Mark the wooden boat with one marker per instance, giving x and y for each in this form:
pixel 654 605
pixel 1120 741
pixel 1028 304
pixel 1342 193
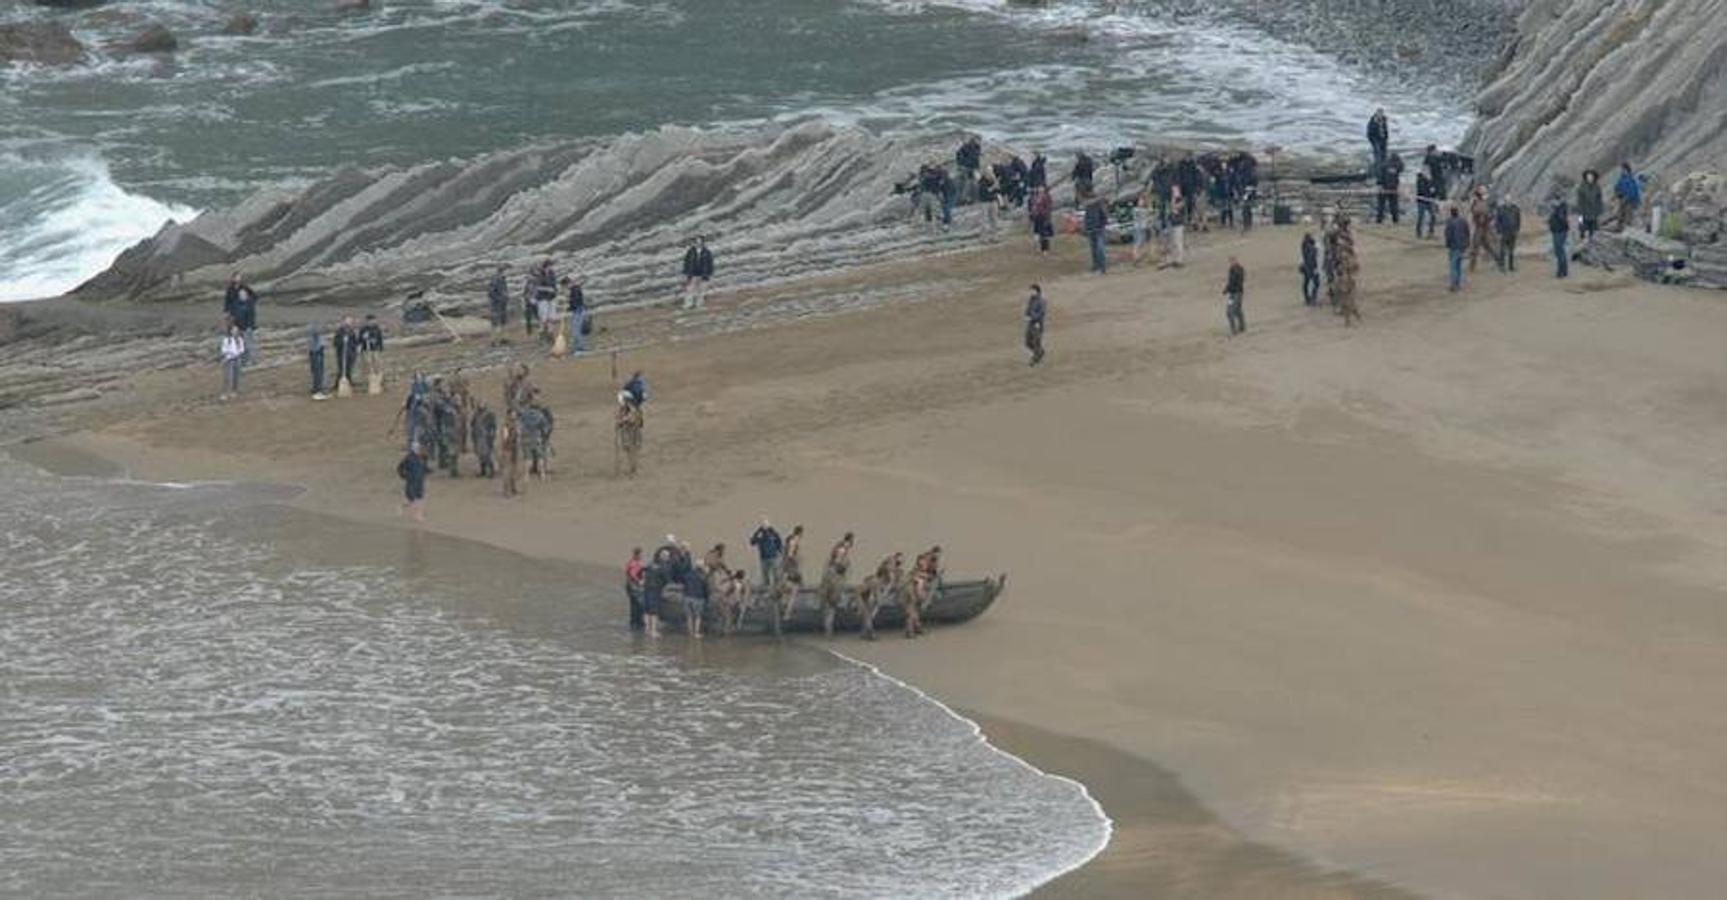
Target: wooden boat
pixel 954 602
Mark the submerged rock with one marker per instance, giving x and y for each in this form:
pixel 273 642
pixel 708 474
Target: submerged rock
pixel 240 25
pixel 154 39
pixel 1591 83
pixel 43 43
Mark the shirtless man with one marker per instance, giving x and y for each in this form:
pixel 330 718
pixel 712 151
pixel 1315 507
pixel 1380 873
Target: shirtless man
pixel 834 581
pixel 924 573
pixel 629 425
pixel 791 568
pixel 881 587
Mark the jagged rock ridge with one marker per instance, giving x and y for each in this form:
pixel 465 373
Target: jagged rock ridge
pixel 1590 83
pixel 778 202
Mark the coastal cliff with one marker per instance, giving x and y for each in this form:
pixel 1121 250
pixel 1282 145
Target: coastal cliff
pixel 1590 83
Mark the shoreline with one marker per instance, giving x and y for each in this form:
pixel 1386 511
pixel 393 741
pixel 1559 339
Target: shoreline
pixel 1335 677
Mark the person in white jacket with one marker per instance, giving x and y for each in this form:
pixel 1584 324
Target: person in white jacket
pixel 233 360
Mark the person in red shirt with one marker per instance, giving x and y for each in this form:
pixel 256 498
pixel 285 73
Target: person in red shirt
pixel 635 574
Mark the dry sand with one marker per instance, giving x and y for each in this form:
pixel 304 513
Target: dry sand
pixel 1435 602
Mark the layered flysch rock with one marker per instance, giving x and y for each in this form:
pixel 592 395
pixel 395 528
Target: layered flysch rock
pixel 777 202
pixel 1591 83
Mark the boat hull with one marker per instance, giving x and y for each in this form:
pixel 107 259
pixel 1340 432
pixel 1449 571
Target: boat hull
pixel 954 602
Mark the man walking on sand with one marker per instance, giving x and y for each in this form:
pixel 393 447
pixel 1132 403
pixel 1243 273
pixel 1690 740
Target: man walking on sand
pixel 1456 244
pixel 1233 288
pixel 498 298
pixel 1309 270
pixel 1035 312
pixel 412 471
pixel 698 271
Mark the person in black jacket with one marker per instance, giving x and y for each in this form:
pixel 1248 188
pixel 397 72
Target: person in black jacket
pixel 969 158
pixel 372 353
pixel 1507 221
pixel 1233 289
pixel 1038 174
pixel 347 344
pixel 1426 205
pixel 1096 232
pixel 412 471
pixel 1309 270
pixel 1457 241
pixel 1084 170
pixel 698 271
pixel 1559 225
pixel 1390 182
pixel 1379 137
pixel 240 303
pixel 498 299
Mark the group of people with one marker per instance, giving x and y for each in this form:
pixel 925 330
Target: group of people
pixel 564 328
pixel 445 421
pixel 714 596
pixel 359 348
pixel 239 333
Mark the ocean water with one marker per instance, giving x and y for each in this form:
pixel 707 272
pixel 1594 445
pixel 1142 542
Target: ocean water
pixel 99 156
pixel 205 694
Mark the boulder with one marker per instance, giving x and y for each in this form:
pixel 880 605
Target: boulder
pixel 154 39
pixel 42 43
pixel 240 25
pixel 1700 199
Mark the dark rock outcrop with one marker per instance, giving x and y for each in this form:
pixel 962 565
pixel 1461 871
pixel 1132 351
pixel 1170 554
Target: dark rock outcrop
pixel 1591 83
pixel 154 39
pixel 42 43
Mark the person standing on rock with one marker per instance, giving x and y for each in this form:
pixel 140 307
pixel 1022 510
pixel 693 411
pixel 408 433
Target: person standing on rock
pixel 1590 205
pixel 1379 138
pixel 1036 311
pixel 1457 243
pixel 1559 225
pixel 498 298
pixel 1508 222
pixel 698 271
pixel 1628 198
pixel 1309 270
pixel 233 360
pixel 1233 289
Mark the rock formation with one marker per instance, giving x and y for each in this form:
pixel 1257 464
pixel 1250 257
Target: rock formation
pixel 42 43
pixel 154 39
pixel 1591 83
pixel 777 202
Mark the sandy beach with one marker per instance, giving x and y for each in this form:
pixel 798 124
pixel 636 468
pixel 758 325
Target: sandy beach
pixel 1434 604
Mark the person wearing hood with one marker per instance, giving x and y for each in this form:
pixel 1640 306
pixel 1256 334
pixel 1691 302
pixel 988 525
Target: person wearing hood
pixel 1590 205
pixel 1084 171
pixel 1037 176
pixel 315 360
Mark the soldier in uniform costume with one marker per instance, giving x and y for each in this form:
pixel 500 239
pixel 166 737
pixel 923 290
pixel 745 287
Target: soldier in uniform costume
pixel 881 587
pixel 483 434
pixel 834 581
pixel 510 452
pixel 629 425
pixel 1347 268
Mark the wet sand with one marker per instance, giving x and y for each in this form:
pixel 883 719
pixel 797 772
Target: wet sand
pixel 1435 602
